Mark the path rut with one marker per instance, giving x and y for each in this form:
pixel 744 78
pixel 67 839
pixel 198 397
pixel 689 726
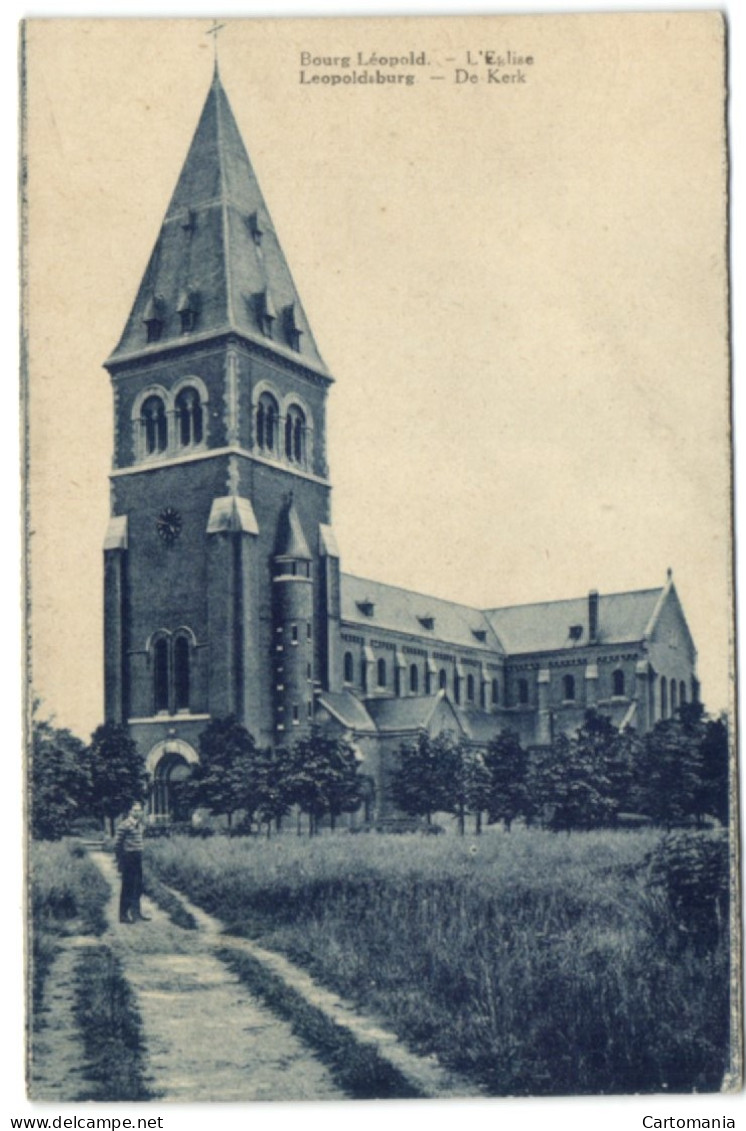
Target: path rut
pixel 207 1037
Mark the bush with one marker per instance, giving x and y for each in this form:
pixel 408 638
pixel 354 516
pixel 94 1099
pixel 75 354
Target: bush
pixel 690 871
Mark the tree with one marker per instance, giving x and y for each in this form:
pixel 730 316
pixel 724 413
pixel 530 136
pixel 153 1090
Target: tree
pixel 273 790
pixel 714 767
pixel 576 786
pixel 323 778
pixel 683 771
pixel 507 766
pixel 422 782
pixel 60 783
pixel 117 772
pixel 584 781
pixel 230 773
pixel 464 780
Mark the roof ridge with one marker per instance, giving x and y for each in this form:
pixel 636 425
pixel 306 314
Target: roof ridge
pixel 217 87
pixel 571 600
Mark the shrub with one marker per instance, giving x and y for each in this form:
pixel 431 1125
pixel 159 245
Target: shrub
pixel 690 870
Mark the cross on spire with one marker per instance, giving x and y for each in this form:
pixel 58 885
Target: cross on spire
pixel 214 31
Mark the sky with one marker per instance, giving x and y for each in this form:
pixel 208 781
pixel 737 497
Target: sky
pixel 520 291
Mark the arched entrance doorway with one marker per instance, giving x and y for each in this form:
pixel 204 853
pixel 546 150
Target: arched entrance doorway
pixel 170 765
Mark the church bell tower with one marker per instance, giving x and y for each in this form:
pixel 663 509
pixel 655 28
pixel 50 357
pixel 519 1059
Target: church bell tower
pixel 216 548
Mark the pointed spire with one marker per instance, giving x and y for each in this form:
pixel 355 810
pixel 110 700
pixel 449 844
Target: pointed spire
pixel 218 235
pixel 291 541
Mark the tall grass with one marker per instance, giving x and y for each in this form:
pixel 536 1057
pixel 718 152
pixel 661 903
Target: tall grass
pixel 531 961
pixel 111 1028
pixel 68 895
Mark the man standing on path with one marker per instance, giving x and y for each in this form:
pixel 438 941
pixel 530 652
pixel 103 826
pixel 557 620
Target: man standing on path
pixel 128 851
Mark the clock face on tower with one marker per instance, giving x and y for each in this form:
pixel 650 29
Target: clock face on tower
pixel 168 524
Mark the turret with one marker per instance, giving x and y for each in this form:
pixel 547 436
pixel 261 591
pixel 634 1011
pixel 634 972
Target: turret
pixel 292 603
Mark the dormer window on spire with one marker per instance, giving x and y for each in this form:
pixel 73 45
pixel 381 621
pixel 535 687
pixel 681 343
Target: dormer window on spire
pixel 265 312
pixel 256 229
pixel 292 329
pixel 188 309
pixel 154 317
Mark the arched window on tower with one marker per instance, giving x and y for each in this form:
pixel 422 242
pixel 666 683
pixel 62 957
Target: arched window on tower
pixel 181 673
pixel 664 697
pixel 682 693
pixel 568 687
pixel 295 435
pixel 617 682
pixel 189 417
pixel 160 675
pixel 414 679
pixel 154 425
pixel 267 418
pixel 673 696
pixel 349 667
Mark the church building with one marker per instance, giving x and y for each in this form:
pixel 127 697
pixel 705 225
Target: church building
pixel 223 587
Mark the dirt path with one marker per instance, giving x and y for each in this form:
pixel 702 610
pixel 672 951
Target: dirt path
pixel 207 1038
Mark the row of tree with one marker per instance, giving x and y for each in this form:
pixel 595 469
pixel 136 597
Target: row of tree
pixel 317 775
pixel 71 781
pixel 676 773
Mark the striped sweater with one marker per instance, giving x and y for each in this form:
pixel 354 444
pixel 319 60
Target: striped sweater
pixel 129 836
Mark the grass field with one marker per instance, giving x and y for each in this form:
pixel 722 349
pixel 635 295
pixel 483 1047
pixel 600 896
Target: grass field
pixel 535 963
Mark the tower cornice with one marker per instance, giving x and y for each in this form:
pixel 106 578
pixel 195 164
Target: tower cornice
pixel 218 453
pixel 282 359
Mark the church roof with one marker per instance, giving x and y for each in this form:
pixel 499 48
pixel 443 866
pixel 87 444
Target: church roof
pixel 543 627
pixel 348 709
pixel 376 605
pixel 410 713
pixel 217 258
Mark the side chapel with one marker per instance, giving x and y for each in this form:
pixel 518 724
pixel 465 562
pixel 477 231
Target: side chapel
pixel 223 587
